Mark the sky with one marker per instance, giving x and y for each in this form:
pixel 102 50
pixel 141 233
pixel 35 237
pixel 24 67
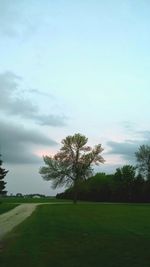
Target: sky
pixel 71 67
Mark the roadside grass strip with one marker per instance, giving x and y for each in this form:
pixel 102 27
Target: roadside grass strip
pixel 82 235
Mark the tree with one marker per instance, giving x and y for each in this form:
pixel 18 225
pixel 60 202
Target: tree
pixel 139 187
pixel 125 177
pixel 73 164
pixel 126 173
pixel 3 173
pixel 143 159
pixel 96 188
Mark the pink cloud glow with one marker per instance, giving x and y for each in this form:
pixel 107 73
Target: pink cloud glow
pixel 43 152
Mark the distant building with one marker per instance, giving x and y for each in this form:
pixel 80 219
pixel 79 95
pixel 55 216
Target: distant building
pixel 36 196
pixel 19 195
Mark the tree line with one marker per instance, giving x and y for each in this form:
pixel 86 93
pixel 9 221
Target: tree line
pixel 73 166
pixel 122 186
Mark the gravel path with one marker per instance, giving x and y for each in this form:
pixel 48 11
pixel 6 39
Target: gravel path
pixel 17 215
pixel 14 217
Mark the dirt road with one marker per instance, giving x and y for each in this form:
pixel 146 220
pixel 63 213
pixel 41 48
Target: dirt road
pixel 14 217
pixel 17 215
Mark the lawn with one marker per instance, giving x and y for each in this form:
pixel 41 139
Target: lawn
pixel 4 207
pixel 82 235
pixel 31 200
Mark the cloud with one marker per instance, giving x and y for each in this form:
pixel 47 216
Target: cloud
pixel 128 148
pixel 17 143
pixel 15 18
pixel 38 92
pixel 129 126
pixel 52 120
pixel 13 102
pixel 145 135
pixel 7 18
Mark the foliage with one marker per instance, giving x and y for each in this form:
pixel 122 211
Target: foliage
pixel 12 199
pixel 123 186
pixel 73 164
pixel 126 173
pixel 3 173
pixel 125 177
pixel 143 159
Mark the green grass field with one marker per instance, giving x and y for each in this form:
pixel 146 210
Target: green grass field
pixel 4 207
pixel 31 200
pixel 82 235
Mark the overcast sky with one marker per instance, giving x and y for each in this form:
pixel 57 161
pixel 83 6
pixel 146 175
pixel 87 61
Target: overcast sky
pixel 68 67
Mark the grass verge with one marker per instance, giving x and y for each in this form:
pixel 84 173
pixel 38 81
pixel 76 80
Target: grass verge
pixel 31 200
pixel 82 235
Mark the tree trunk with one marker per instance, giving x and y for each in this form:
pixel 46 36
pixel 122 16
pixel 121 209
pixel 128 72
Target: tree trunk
pixel 75 198
pixel 75 193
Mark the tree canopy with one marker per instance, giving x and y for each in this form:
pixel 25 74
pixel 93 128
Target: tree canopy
pixel 3 173
pixel 73 163
pixel 143 159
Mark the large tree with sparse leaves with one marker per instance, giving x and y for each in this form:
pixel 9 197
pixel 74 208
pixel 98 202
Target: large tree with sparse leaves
pixel 143 160
pixel 72 164
pixel 3 173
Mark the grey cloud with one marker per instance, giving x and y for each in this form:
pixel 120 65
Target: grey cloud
pixel 17 142
pixel 15 20
pixel 37 92
pixel 125 149
pixel 7 18
pixel 129 125
pixel 128 148
pixel 51 120
pixel 22 107
pixel 14 103
pixel 8 85
pixel 145 134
